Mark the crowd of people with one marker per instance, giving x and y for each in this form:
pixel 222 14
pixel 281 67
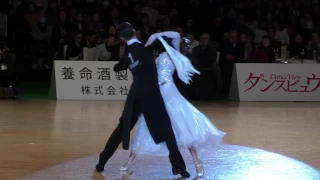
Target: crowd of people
pixel 221 32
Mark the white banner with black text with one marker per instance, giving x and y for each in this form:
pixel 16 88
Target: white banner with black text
pixel 90 80
pixel 275 82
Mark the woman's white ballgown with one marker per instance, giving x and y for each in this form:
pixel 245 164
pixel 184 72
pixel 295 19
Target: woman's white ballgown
pixel 190 126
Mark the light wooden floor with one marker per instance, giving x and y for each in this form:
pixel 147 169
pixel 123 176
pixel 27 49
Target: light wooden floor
pixel 35 135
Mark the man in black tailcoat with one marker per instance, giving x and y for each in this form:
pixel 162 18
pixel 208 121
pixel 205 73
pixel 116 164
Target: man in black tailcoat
pixel 144 98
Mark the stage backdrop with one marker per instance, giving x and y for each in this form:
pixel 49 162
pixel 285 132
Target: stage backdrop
pixel 276 82
pixel 89 80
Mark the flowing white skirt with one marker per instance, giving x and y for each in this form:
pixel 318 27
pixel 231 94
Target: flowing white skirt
pixel 190 126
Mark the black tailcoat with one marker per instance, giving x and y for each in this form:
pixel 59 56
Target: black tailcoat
pixel 145 93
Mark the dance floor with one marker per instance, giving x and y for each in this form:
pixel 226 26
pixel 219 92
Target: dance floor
pixel 60 140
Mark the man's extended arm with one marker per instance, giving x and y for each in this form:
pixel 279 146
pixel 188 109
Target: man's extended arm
pixel 121 65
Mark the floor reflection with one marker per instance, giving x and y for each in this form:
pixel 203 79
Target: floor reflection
pixel 227 162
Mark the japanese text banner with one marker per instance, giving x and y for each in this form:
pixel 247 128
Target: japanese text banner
pixel 278 82
pixel 91 80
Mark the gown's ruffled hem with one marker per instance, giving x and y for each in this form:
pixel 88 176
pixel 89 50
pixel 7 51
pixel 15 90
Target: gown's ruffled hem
pixel 190 126
pixel 200 147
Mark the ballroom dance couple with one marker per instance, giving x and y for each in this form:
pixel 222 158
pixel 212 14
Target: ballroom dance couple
pixel 168 123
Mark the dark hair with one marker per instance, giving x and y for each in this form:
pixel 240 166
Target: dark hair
pixel 280 25
pixel 91 33
pixel 159 28
pixel 52 1
pixel 241 14
pixel 114 8
pixel 76 33
pixel 144 15
pixel 316 32
pixel 233 31
pixel 3 47
pixel 109 36
pixel 250 34
pixel 206 33
pixel 190 32
pixel 166 17
pixel 266 37
pixel 62 10
pixel 271 28
pixel 33 4
pixel 110 25
pixel 126 30
pixel 136 4
pixel 185 46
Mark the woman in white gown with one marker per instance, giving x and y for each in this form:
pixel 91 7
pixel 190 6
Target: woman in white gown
pixel 193 130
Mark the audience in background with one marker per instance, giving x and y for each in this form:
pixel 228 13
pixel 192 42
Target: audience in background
pixel 119 50
pixel 275 43
pixel 77 25
pixel 297 46
pixel 194 42
pixel 75 49
pixel 259 32
pixel 250 31
pixel 281 33
pixel 280 20
pixel 313 46
pixel 146 29
pixel 41 50
pixel 106 50
pixel 53 12
pixel 97 25
pixel 205 54
pixel 60 34
pixel 153 15
pixel 267 49
pixel 90 40
pixel 31 16
pixel 205 60
pixel 232 51
pixel 8 76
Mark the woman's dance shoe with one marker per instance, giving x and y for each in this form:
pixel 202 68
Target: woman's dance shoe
pixel 128 165
pixel 200 173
